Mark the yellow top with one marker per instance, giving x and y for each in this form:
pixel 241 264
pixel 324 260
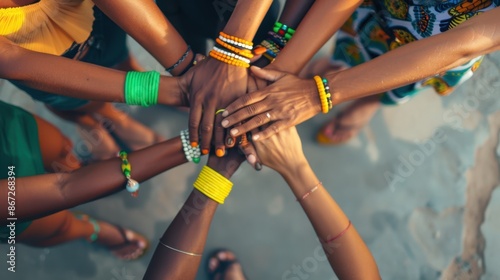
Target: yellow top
pixel 48 26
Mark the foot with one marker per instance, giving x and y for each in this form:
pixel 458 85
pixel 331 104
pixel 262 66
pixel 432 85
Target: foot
pixel 349 122
pixel 123 243
pixel 99 145
pixel 133 134
pixel 223 265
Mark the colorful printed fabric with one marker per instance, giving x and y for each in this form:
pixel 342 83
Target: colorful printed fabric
pixel 379 26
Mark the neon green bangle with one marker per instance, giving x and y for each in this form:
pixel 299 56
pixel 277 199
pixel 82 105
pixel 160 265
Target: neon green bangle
pixel 141 88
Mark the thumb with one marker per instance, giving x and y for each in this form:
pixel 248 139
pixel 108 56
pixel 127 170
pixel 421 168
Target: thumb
pixel 268 75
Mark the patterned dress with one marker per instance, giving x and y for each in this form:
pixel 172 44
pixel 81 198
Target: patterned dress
pixel 379 26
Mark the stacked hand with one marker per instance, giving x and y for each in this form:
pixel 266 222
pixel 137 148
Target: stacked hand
pixel 263 111
pixel 287 102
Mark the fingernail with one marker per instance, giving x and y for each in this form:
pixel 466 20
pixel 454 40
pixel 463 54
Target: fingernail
pixel 234 131
pixel 204 151
pixel 194 144
pixel 252 159
pixel 230 141
pixel 256 137
pixel 258 166
pixel 219 152
pixel 225 113
pixel 224 123
pixel 259 50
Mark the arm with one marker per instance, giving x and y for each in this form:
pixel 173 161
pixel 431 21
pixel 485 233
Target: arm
pixel 216 84
pixel 293 12
pixel 298 98
pixel 347 254
pixel 323 19
pixel 144 21
pixel 424 58
pixel 189 229
pixel 77 79
pixel 42 195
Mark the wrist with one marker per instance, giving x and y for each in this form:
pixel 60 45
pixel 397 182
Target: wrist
pixel 213 185
pixel 184 65
pixel 171 92
pixel 289 172
pixel 222 166
pixel 335 93
pixel 300 179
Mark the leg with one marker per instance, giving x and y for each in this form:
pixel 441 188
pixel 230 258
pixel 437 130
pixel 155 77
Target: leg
pixel 99 118
pixel 350 121
pixel 64 226
pixel 98 142
pixel 56 148
pixel 135 135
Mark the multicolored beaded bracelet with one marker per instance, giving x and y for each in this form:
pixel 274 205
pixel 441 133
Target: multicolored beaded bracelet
pixel 132 185
pixel 283 30
pixel 322 94
pixel 328 94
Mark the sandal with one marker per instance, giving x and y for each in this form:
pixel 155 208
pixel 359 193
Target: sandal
pixel 352 130
pixel 130 238
pixel 222 265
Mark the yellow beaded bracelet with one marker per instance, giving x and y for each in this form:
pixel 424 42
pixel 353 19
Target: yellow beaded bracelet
pixel 322 94
pixel 213 185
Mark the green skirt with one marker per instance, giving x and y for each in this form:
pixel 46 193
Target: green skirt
pixel 20 148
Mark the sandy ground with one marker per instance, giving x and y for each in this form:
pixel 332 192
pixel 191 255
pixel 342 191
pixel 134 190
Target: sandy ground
pixel 420 185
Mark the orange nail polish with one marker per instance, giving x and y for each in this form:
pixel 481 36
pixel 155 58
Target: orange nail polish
pixel 259 50
pixel 219 153
pixel 204 151
pixel 194 144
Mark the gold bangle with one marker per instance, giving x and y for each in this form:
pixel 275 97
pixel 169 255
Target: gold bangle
pixel 180 251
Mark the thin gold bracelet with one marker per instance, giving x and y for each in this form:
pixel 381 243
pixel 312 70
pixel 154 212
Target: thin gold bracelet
pixel 180 251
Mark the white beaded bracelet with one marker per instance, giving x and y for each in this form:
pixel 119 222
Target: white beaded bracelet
pixel 239 57
pixel 192 154
pixel 234 43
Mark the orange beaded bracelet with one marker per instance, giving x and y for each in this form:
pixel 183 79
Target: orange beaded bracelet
pixel 228 59
pixel 237 41
pixel 242 52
